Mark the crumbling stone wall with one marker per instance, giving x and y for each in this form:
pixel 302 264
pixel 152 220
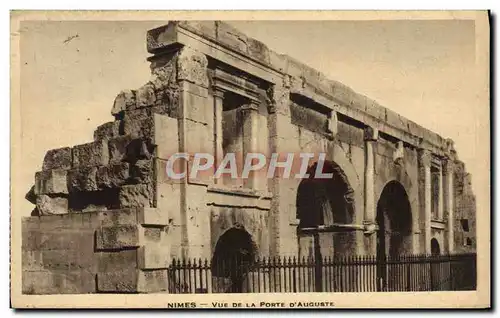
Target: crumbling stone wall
pixel 465 210
pixel 95 227
pixel 95 251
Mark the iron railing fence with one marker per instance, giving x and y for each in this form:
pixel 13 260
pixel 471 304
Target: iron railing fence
pixel 330 274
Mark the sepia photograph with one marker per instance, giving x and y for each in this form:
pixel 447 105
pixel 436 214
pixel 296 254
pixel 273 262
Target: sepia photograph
pixel 193 160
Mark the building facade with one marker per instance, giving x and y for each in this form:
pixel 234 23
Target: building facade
pixel 109 219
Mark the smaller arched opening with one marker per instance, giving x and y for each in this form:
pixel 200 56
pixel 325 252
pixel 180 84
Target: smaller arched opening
pixel 435 249
pixel 233 257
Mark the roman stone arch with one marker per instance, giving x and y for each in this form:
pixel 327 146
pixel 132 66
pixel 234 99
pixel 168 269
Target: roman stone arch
pixel 340 158
pixel 325 202
pixel 394 218
pixel 435 247
pixel 232 259
pixel 397 173
pixel 394 235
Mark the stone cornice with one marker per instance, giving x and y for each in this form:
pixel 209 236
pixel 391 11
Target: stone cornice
pixel 224 81
pixel 226 44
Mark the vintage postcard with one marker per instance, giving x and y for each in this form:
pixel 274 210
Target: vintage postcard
pixel 250 159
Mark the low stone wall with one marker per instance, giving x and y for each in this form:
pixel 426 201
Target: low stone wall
pixel 116 251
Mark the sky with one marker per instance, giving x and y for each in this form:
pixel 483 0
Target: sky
pixel 425 70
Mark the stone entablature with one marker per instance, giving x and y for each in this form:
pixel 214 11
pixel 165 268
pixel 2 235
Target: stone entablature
pixel 256 59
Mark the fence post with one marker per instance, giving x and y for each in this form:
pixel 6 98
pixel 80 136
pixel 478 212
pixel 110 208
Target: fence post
pixel 317 275
pixel 431 263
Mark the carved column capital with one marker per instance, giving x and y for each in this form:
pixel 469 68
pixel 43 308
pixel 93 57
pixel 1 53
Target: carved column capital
pixel 192 67
pixel 424 157
pixel 218 92
pixel 251 105
pixel 448 166
pixel 371 134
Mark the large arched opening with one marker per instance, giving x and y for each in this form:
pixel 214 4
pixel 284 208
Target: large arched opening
pixel 394 220
pixel 233 257
pixel 325 209
pixel 322 204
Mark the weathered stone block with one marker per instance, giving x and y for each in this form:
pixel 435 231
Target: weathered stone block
pixel 30 195
pixel 152 216
pixel 79 282
pixel 31 260
pixel 123 101
pixel 139 149
pixel 139 123
pixel 118 217
pixel 232 37
pixel 374 109
pixel 192 67
pixel 166 136
pixel 394 119
pixel 75 259
pixel 145 96
pixel 118 148
pixel 351 135
pixel 199 138
pixel 123 281
pixel 160 37
pixel 142 171
pixel 179 166
pixel 116 237
pixel 117 261
pixel 47 205
pixel 153 256
pixel 205 28
pixel 91 154
pixel 38 282
pixel 57 159
pixel 113 175
pixel 53 223
pixel 126 148
pixel 51 182
pixel 139 195
pixel 152 281
pixel 108 130
pixel 64 239
pixel 258 50
pixel 151 234
pixel 196 107
pixel 83 179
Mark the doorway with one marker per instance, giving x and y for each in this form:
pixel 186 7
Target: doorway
pixel 233 257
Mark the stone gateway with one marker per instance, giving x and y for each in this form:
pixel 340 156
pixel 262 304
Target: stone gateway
pixel 108 218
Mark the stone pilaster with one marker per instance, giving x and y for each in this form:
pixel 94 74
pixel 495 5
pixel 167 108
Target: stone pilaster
pixel 371 137
pixel 282 223
pixel 250 141
pixel 424 162
pixel 218 132
pixel 193 131
pixel 440 194
pixel 449 203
